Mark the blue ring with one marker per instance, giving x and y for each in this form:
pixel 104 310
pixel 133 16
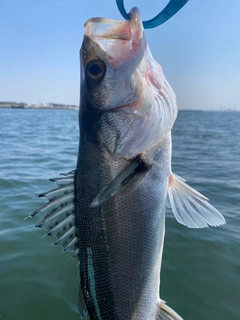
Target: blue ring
pixel 171 8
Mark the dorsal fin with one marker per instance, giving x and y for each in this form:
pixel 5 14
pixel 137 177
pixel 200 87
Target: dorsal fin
pixel 59 221
pixel 59 217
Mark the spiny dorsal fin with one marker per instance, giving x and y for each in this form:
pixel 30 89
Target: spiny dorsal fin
pixel 59 217
pixel 59 221
pixel 137 166
pixel 70 173
pixel 63 181
pixel 58 192
pixel 190 207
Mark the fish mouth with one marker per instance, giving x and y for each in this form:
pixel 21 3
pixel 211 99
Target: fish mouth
pixel 116 29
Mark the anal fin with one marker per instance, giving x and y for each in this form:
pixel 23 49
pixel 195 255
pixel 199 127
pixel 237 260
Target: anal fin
pixel 166 313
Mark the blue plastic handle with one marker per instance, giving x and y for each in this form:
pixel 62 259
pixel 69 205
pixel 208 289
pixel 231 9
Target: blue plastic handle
pixel 171 8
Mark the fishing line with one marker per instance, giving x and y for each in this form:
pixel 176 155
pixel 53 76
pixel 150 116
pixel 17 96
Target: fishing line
pixel 171 8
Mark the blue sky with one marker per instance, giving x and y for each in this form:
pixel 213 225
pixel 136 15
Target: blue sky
pixel 198 48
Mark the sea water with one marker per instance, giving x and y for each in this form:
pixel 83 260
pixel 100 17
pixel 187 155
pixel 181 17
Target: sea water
pixel 200 276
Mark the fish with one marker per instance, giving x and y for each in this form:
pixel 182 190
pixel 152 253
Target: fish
pixel 110 210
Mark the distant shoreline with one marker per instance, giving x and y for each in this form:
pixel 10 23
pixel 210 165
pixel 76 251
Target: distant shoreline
pixel 15 105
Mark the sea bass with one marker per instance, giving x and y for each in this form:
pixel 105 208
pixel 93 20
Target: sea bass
pixel 111 209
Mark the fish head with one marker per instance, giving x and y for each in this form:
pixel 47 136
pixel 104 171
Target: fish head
pixel 110 54
pixel 121 81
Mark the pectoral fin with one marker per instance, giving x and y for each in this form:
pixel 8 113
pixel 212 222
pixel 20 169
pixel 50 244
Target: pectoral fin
pixel 166 313
pixel 116 185
pixel 190 207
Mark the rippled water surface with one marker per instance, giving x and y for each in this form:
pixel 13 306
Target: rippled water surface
pixel 200 276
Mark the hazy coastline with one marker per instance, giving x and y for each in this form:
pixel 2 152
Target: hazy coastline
pixel 35 105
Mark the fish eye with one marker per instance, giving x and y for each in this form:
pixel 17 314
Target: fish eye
pixel 95 70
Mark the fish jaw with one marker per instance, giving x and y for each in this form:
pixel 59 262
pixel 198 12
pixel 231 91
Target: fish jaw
pixel 122 41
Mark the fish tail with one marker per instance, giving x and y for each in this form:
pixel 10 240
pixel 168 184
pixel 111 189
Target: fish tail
pixel 166 313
